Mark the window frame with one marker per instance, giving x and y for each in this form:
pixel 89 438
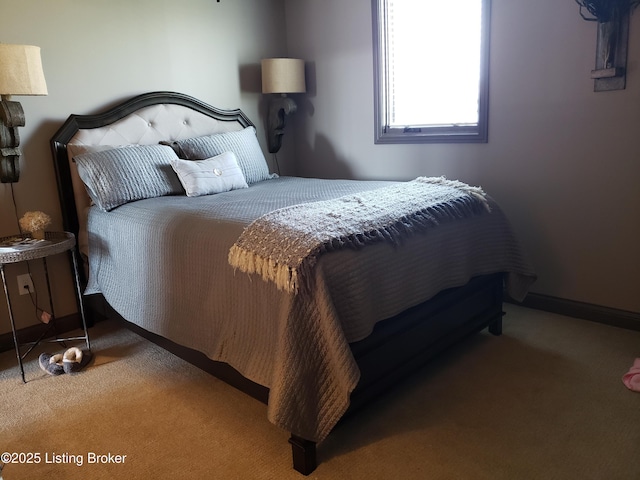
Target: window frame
pixel 427 133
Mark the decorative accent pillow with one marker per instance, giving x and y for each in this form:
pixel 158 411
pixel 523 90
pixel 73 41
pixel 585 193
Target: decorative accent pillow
pixel 122 175
pixel 243 143
pixel 213 175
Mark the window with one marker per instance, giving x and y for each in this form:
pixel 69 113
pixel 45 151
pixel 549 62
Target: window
pixel 431 70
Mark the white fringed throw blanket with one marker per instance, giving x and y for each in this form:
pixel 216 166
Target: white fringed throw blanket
pixel 283 246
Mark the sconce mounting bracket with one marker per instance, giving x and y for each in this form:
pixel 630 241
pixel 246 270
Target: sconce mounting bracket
pixel 279 108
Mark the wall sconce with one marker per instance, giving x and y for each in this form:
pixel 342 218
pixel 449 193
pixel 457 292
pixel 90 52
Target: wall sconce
pixel 281 76
pixel 20 74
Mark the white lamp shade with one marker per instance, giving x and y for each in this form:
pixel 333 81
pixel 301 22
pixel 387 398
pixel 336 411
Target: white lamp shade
pixel 21 70
pixel 283 75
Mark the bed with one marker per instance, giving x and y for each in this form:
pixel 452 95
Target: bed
pixel 198 272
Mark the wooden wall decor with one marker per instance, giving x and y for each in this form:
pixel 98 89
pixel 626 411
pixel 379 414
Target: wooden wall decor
pixel 11 117
pixel 612 17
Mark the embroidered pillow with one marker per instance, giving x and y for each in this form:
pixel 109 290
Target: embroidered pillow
pixel 213 175
pixel 121 175
pixel 243 143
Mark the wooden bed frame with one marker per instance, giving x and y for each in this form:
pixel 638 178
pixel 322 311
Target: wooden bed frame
pixel 397 347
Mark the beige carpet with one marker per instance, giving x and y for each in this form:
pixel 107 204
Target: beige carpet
pixel 544 401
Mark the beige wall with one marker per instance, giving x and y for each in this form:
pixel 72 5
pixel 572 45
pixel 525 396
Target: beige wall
pixel 96 53
pixel 564 162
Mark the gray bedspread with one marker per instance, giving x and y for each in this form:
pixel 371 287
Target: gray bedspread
pixel 162 264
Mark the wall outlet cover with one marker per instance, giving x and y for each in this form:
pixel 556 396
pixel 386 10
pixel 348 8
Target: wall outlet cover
pixel 25 284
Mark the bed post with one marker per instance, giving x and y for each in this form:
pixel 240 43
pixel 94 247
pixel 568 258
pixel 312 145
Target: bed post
pixel 495 327
pixel 304 454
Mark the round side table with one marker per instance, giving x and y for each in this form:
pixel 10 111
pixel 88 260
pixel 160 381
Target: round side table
pixel 17 249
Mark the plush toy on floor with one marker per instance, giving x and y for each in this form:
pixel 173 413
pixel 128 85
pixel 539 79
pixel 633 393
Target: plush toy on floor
pixel 71 361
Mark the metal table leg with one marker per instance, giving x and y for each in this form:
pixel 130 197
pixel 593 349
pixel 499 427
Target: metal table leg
pixel 13 325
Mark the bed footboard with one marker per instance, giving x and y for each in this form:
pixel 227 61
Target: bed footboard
pixel 404 343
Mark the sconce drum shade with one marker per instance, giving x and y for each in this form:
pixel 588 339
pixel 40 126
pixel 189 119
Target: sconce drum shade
pixel 283 75
pixel 21 70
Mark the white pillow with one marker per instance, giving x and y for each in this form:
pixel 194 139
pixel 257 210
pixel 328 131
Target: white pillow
pixel 213 175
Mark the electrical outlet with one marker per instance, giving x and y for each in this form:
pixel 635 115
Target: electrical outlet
pixel 25 284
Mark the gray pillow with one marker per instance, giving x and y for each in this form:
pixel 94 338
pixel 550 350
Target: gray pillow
pixel 213 175
pixel 243 143
pixel 121 175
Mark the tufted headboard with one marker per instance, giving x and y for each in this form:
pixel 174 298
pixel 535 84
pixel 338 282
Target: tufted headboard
pixel 147 119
